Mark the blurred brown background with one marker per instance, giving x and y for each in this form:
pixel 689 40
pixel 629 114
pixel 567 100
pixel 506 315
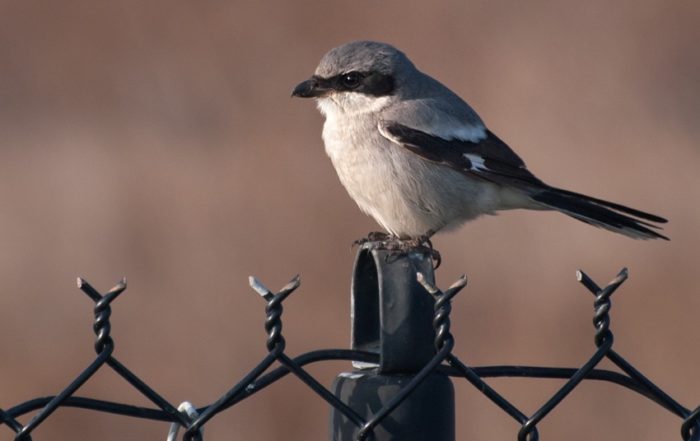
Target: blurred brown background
pixel 157 140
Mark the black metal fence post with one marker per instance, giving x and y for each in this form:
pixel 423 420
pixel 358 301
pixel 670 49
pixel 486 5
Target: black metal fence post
pixel 392 315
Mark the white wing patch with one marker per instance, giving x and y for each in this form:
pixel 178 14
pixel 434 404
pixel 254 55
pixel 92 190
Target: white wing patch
pixel 474 133
pixel 476 161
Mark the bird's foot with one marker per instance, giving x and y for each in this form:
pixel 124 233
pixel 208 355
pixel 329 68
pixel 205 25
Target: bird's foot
pixel 374 236
pixel 401 247
pixel 425 245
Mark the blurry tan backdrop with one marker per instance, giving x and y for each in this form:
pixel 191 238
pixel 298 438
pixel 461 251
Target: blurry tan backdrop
pixel 157 140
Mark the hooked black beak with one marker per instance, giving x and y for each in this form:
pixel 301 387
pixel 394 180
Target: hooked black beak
pixel 311 88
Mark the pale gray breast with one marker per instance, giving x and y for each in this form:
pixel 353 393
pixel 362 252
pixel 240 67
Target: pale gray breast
pixel 361 156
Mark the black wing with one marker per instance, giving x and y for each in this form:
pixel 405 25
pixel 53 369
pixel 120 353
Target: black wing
pixel 491 159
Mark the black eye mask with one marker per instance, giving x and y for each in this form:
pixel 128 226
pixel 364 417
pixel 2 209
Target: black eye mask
pixel 368 83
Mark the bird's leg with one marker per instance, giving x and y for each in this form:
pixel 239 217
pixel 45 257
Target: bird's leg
pixel 379 236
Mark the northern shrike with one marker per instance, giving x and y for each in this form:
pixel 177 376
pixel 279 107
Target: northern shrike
pixel 418 159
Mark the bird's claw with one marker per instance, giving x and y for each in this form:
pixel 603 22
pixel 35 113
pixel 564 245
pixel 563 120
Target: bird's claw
pixel 374 236
pixel 400 247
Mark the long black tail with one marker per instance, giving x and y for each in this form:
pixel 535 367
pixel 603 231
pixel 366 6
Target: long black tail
pixel 609 215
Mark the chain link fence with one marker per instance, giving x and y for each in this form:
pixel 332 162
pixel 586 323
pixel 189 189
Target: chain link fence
pixel 402 354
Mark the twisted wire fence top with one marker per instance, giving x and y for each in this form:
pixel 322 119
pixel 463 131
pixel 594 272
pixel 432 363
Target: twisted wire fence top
pixel 264 374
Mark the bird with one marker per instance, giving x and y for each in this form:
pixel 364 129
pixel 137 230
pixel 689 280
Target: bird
pixel 418 159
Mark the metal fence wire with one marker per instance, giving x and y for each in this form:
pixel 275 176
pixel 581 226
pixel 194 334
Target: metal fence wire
pixel 403 360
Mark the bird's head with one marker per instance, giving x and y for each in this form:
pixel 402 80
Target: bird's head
pixel 357 77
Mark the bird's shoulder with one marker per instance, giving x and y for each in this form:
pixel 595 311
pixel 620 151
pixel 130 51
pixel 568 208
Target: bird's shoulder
pixel 444 117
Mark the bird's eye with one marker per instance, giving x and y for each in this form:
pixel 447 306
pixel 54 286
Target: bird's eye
pixel 351 80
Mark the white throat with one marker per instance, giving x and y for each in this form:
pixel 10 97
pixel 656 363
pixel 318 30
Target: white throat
pixel 349 103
